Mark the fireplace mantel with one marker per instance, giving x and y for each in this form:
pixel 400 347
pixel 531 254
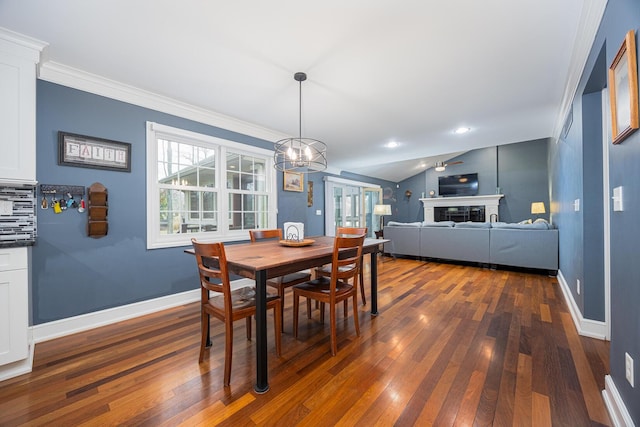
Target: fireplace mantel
pixel 489 201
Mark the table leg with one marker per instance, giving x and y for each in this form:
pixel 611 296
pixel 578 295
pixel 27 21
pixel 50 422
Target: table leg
pixel 374 283
pixel 209 344
pixel 262 382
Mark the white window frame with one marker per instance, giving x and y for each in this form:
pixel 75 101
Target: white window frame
pixel 155 240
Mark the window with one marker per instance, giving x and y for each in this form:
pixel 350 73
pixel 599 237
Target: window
pixel 205 187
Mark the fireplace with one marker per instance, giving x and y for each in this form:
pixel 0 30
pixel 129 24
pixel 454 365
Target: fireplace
pixel 464 208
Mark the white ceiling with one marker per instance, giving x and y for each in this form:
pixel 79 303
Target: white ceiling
pixel 378 71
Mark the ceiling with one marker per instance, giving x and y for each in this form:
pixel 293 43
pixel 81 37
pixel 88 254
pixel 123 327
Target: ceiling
pixel 378 71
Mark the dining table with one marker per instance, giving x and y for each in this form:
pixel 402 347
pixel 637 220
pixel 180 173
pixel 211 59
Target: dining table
pixel 268 259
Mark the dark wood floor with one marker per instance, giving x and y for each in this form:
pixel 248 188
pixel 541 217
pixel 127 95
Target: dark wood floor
pixel 453 345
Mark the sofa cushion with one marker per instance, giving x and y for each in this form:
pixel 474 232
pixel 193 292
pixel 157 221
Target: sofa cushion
pixel 403 224
pixel 472 224
pixel 532 226
pixel 438 224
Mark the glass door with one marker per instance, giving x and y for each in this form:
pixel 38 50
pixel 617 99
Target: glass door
pixel 338 208
pixel 343 209
pixel 372 197
pixel 351 206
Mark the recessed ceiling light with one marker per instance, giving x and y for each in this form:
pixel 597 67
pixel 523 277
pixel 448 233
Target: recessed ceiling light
pixel 461 130
pixel 391 144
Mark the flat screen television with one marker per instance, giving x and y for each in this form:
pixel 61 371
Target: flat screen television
pixel 458 185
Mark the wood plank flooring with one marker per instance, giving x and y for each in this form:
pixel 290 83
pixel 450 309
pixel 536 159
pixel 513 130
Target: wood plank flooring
pixel 453 346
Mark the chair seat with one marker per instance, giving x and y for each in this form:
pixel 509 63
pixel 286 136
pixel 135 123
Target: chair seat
pixel 325 270
pixel 289 279
pixel 240 298
pixel 321 285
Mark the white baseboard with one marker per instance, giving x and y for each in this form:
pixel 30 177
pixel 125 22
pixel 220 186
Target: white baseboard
pixel 585 327
pixel 615 405
pixel 72 325
pixel 84 322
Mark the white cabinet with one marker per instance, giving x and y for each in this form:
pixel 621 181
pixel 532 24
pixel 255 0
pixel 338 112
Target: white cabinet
pixel 18 58
pixel 14 305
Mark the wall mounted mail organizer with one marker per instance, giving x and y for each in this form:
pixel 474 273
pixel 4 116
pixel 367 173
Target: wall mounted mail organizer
pixel 98 196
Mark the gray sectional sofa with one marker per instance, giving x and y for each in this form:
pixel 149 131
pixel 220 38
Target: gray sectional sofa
pixel 520 245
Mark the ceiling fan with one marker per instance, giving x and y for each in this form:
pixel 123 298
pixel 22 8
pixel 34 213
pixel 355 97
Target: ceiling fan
pixel 441 165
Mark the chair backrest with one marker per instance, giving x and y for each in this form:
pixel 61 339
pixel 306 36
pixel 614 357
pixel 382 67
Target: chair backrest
pixel 346 262
pixel 351 231
pixel 275 233
pixel 212 268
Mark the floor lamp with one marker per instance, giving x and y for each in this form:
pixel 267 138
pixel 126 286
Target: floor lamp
pixel 381 211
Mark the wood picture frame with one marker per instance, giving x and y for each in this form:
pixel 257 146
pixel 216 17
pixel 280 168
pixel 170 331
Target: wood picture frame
pixel 623 90
pixel 309 194
pixel 293 181
pixel 91 152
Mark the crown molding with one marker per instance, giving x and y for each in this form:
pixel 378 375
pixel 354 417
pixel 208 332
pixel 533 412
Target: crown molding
pixel 78 79
pixel 20 45
pixel 592 12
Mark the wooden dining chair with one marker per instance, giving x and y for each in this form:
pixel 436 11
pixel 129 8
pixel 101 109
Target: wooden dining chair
pixel 326 269
pixel 346 263
pixel 231 305
pixel 282 282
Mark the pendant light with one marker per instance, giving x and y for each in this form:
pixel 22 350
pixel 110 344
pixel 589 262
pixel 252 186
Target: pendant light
pixel 300 154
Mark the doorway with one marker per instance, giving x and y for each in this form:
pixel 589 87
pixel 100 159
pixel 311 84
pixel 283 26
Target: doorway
pixel 350 204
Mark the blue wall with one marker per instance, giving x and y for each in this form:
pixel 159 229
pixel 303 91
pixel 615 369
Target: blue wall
pixel 74 274
pixel 520 170
pixel 571 163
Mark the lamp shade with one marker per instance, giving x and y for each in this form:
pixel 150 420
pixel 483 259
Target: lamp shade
pixel 382 210
pixel 537 208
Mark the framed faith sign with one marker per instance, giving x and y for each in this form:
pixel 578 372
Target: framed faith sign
pixel 90 152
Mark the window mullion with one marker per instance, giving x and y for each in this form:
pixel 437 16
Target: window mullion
pixel 223 216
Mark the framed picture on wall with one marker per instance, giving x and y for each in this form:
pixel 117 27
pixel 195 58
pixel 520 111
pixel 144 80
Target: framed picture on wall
pixel 91 152
pixel 293 181
pixel 309 193
pixel 623 90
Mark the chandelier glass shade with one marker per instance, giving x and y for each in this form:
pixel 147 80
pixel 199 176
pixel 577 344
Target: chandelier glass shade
pixel 300 154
